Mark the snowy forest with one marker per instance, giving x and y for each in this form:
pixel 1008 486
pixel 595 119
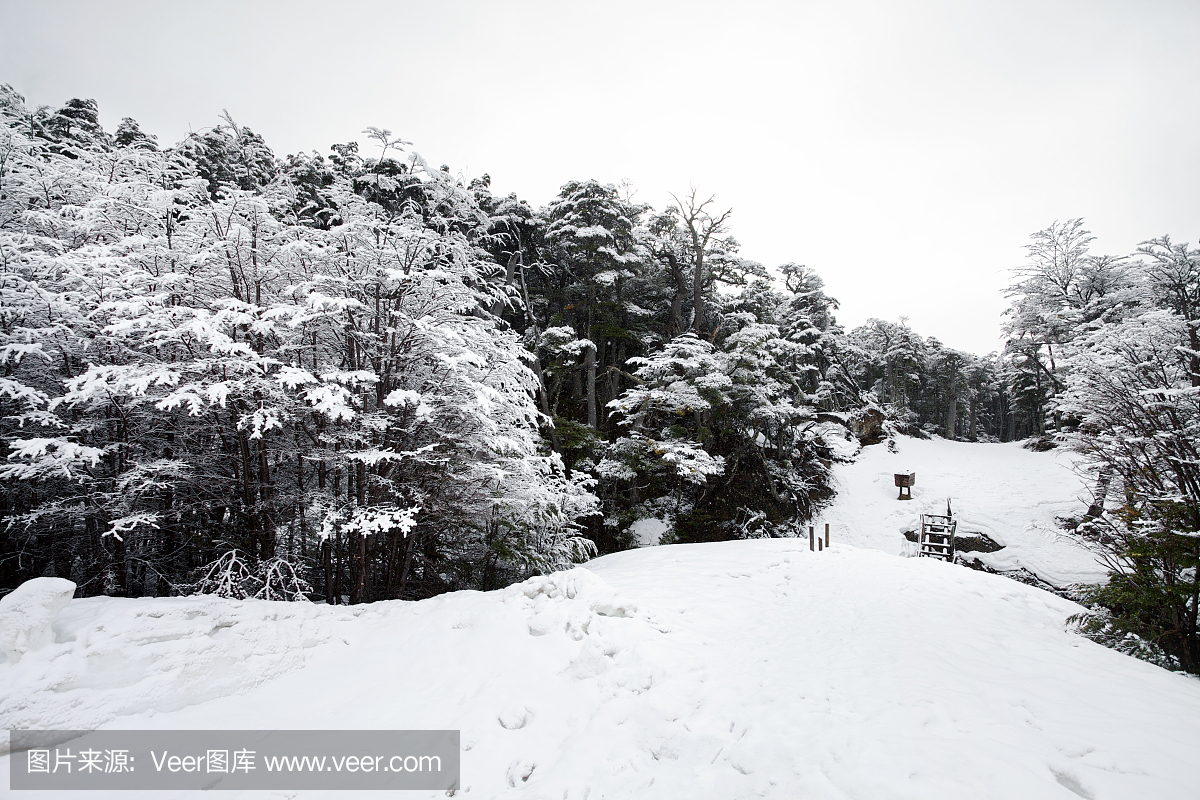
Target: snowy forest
pixel 351 376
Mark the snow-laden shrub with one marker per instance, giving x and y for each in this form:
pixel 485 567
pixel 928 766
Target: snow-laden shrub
pixel 235 576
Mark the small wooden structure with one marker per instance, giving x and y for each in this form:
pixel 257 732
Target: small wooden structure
pixel 905 480
pixel 814 541
pixel 937 536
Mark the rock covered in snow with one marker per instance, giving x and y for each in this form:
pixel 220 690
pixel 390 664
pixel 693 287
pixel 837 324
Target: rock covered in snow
pixel 27 615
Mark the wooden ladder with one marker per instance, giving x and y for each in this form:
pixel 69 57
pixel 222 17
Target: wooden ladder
pixel 937 536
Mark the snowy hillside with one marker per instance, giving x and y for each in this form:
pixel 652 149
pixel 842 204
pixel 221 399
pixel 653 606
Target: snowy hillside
pixel 1003 491
pixel 740 669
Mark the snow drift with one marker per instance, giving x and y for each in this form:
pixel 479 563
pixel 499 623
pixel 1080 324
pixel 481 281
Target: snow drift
pixel 27 615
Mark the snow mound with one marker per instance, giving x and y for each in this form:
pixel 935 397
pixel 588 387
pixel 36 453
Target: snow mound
pixel 116 656
pixel 27 615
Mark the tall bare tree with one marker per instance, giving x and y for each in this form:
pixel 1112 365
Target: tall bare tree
pixel 705 230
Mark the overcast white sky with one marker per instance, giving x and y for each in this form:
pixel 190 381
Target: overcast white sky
pixel 905 150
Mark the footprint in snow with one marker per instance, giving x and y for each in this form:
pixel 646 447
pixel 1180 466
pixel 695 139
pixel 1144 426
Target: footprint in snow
pixel 519 772
pixel 514 718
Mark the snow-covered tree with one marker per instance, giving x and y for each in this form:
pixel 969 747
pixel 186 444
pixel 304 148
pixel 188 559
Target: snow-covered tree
pixel 590 233
pixel 1137 398
pixel 197 365
pixel 1060 289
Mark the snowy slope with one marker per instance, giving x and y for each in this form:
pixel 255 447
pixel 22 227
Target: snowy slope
pixel 1002 490
pixel 741 669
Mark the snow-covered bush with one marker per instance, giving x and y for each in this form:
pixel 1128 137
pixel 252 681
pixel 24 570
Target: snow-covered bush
pixel 234 575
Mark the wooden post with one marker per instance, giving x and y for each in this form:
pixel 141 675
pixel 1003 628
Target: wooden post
pixel 811 544
pixel 820 546
pixel 827 534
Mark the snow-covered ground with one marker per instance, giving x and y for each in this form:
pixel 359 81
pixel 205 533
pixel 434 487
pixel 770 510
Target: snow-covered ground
pixel 731 670
pixel 1004 491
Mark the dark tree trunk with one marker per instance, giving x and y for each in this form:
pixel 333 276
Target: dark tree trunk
pixel 327 563
pixel 589 363
pixel 266 532
pixel 589 359
pixel 1103 481
pixel 337 567
pixel 409 544
pixel 678 297
pixel 513 260
pixel 358 569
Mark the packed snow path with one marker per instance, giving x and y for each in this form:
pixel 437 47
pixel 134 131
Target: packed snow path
pixel 1008 493
pixel 732 670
